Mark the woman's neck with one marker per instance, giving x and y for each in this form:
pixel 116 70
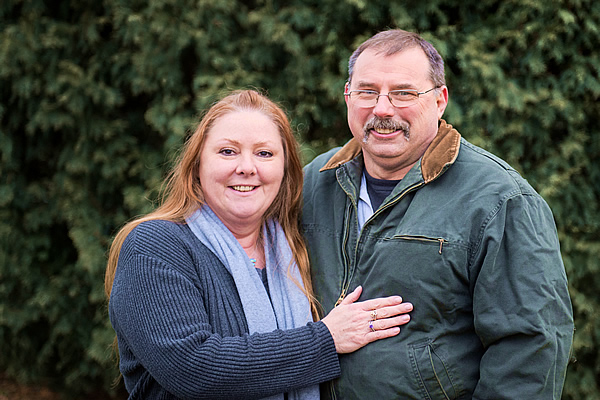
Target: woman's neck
pixel 252 244
pixel 249 242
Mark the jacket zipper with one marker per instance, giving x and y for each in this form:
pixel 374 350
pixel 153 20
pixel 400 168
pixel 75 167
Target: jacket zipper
pixel 347 279
pixel 441 241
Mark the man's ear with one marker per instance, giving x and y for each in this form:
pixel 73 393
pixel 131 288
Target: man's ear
pixel 442 100
pixel 346 89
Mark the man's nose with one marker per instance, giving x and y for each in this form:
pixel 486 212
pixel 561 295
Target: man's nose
pixel 383 108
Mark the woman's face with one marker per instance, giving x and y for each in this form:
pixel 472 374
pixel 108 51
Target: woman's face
pixel 241 168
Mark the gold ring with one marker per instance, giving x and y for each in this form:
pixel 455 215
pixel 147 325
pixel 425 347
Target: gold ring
pixel 371 326
pixel 373 315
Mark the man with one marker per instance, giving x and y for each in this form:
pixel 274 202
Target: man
pixel 409 207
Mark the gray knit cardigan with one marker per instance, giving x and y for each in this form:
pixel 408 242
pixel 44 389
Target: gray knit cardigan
pixel 182 331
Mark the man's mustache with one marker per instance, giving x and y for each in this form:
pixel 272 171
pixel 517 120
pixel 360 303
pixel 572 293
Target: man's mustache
pixel 378 123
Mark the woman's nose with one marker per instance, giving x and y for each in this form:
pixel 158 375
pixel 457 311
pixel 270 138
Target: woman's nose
pixel 246 165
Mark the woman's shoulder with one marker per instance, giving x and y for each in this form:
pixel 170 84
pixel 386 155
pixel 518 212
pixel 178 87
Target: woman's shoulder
pixel 162 239
pixel 161 226
pixel 157 231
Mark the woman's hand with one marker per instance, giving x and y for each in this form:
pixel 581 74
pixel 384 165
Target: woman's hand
pixel 354 325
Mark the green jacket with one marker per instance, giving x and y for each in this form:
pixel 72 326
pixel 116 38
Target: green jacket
pixel 471 244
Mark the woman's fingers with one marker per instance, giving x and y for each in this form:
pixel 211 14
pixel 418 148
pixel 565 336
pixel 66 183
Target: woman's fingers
pixel 375 304
pixel 382 334
pixel 383 324
pixel 354 324
pixel 352 297
pixel 385 328
pixel 390 311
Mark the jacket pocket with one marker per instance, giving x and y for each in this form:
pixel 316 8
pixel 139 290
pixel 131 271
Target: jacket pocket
pixel 423 239
pixel 431 371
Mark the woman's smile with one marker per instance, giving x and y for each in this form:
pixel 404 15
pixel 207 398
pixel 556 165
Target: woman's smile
pixel 242 167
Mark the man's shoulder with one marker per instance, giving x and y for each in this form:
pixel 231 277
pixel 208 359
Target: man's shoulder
pixel 482 155
pixel 490 167
pixel 321 160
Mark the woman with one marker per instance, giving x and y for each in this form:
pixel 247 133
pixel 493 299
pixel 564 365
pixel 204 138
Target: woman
pixel 210 294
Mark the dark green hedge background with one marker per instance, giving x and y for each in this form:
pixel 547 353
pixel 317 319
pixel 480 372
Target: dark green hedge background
pixel 96 96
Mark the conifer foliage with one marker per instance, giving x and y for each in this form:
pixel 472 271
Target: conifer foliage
pixel 96 97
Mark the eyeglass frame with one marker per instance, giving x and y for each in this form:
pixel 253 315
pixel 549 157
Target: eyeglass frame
pixel 411 102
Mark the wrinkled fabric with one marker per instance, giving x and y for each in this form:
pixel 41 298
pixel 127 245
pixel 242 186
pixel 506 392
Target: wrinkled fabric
pixel 183 333
pixel 473 247
pixel 287 306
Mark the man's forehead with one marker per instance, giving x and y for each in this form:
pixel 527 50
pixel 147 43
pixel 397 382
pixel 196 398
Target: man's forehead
pixel 405 66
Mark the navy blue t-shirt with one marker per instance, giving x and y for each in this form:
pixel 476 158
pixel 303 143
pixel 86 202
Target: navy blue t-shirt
pixel 379 189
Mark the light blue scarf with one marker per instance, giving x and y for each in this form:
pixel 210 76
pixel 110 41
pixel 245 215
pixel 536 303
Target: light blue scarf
pixel 288 306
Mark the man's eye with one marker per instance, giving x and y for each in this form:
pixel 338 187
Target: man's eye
pixel 365 94
pixel 403 93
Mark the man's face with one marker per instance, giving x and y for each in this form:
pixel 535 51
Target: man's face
pixel 390 153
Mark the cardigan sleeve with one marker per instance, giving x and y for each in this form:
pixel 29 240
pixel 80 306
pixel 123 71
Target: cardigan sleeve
pixel 160 313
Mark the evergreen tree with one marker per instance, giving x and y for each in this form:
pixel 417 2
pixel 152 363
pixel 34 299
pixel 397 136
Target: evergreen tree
pixel 96 97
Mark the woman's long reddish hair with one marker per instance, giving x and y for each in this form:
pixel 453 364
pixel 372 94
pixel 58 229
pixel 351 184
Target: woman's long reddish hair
pixel 182 193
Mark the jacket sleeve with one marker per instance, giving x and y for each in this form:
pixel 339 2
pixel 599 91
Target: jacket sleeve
pixel 521 305
pixel 161 315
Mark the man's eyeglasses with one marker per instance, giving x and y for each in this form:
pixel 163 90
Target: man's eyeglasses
pixel 398 98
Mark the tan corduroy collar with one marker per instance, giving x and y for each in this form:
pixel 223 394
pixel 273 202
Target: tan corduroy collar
pixel 442 152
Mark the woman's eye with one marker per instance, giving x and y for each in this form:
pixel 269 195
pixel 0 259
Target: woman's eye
pixel 226 152
pixel 265 153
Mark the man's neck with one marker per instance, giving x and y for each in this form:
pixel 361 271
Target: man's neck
pixel 390 173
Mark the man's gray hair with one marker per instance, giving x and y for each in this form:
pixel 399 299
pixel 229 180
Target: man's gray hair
pixel 396 40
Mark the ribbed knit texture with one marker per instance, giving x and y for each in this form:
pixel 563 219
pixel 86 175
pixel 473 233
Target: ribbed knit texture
pixel 182 331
